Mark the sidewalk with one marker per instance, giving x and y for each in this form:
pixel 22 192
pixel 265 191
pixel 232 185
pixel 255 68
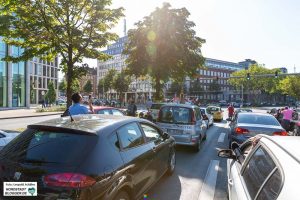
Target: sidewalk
pixel 21 113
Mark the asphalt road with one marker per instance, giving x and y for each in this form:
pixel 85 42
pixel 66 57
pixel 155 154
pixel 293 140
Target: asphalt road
pixel 199 175
pixel 18 123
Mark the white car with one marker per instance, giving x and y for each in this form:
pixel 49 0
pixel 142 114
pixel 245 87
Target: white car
pixel 6 136
pixel 208 118
pixel 264 168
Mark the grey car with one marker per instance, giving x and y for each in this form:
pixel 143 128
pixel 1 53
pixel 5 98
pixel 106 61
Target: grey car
pixel 266 168
pixel 247 124
pixel 6 136
pixel 183 122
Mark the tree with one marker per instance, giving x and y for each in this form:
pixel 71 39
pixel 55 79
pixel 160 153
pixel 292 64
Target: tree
pixel 268 85
pixel 108 79
pixel 75 86
pixel 164 46
pixel 62 86
pixel 291 86
pixel 196 88
pixel 72 29
pixel 32 92
pixel 101 87
pixel 121 83
pixel 88 87
pixel 175 88
pixel 51 94
pixel 214 86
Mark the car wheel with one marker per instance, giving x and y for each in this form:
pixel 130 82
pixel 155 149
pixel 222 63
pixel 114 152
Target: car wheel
pixel 122 195
pixel 198 145
pixel 172 162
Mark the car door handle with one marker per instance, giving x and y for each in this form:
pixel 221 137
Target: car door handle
pixel 230 182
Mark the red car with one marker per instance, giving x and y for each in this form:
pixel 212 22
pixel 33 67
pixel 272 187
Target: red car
pixel 108 110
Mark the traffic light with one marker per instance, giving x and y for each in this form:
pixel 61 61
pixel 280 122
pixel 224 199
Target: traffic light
pixel 276 74
pixel 248 76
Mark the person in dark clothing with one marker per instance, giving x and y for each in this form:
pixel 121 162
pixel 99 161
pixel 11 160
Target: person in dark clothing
pixel 131 110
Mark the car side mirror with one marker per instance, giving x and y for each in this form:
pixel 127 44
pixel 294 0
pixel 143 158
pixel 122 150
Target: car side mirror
pixel 165 136
pixel 229 120
pixel 226 153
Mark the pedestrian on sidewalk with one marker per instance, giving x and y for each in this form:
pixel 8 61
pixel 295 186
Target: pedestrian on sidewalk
pixel 43 103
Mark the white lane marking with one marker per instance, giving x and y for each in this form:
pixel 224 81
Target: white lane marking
pixel 208 188
pixel 221 137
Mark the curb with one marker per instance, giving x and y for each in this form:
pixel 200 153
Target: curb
pixel 31 116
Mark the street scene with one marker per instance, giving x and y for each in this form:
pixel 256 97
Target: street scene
pixel 167 100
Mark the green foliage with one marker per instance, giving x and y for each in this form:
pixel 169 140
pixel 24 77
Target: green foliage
pixel 164 46
pixel 176 87
pixel 101 87
pixel 214 86
pixel 108 79
pixel 291 86
pixel 31 92
pixel 51 94
pixel 63 86
pixel 71 29
pixel 51 109
pixel 196 88
pixel 121 82
pixel 88 87
pixel 75 86
pixel 265 84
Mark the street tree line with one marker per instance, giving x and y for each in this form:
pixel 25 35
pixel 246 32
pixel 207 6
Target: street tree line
pixel 281 85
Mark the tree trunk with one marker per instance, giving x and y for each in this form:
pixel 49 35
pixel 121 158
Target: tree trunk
pixel 157 95
pixel 69 84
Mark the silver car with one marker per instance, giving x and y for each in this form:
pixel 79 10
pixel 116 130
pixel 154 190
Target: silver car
pixel 183 122
pixel 6 136
pixel 265 168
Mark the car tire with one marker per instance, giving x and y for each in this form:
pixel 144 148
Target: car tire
pixel 197 147
pixel 172 162
pixel 122 195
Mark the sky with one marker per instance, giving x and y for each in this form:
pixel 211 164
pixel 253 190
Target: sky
pixel 267 31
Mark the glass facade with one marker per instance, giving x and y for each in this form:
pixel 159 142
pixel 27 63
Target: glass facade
pixel 3 75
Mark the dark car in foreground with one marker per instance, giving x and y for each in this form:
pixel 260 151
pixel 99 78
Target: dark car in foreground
pixel 89 157
pixel 247 124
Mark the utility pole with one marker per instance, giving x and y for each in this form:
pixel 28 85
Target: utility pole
pixel 242 94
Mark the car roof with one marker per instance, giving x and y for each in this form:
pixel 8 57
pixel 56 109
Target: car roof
pixel 102 107
pixel 179 105
pixel 289 144
pixel 86 123
pixel 254 113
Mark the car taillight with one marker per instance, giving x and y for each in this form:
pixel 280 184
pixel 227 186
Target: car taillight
pixel 70 180
pixel 239 130
pixel 193 117
pixel 281 133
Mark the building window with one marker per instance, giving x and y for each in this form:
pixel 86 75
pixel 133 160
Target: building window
pixel 18 84
pixel 40 71
pixel 44 70
pixel 3 82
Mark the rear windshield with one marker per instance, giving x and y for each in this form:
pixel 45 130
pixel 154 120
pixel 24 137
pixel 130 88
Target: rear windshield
pixel 257 119
pixel 213 109
pixel 178 115
pixel 156 106
pixel 34 146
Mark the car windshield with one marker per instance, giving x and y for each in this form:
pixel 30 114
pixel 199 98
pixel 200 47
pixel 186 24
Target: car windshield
pixel 178 115
pixel 258 119
pixel 213 109
pixel 48 147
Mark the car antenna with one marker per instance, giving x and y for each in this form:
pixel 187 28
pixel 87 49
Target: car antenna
pixel 72 120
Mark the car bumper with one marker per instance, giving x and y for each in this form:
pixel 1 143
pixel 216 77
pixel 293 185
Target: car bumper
pixel 187 140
